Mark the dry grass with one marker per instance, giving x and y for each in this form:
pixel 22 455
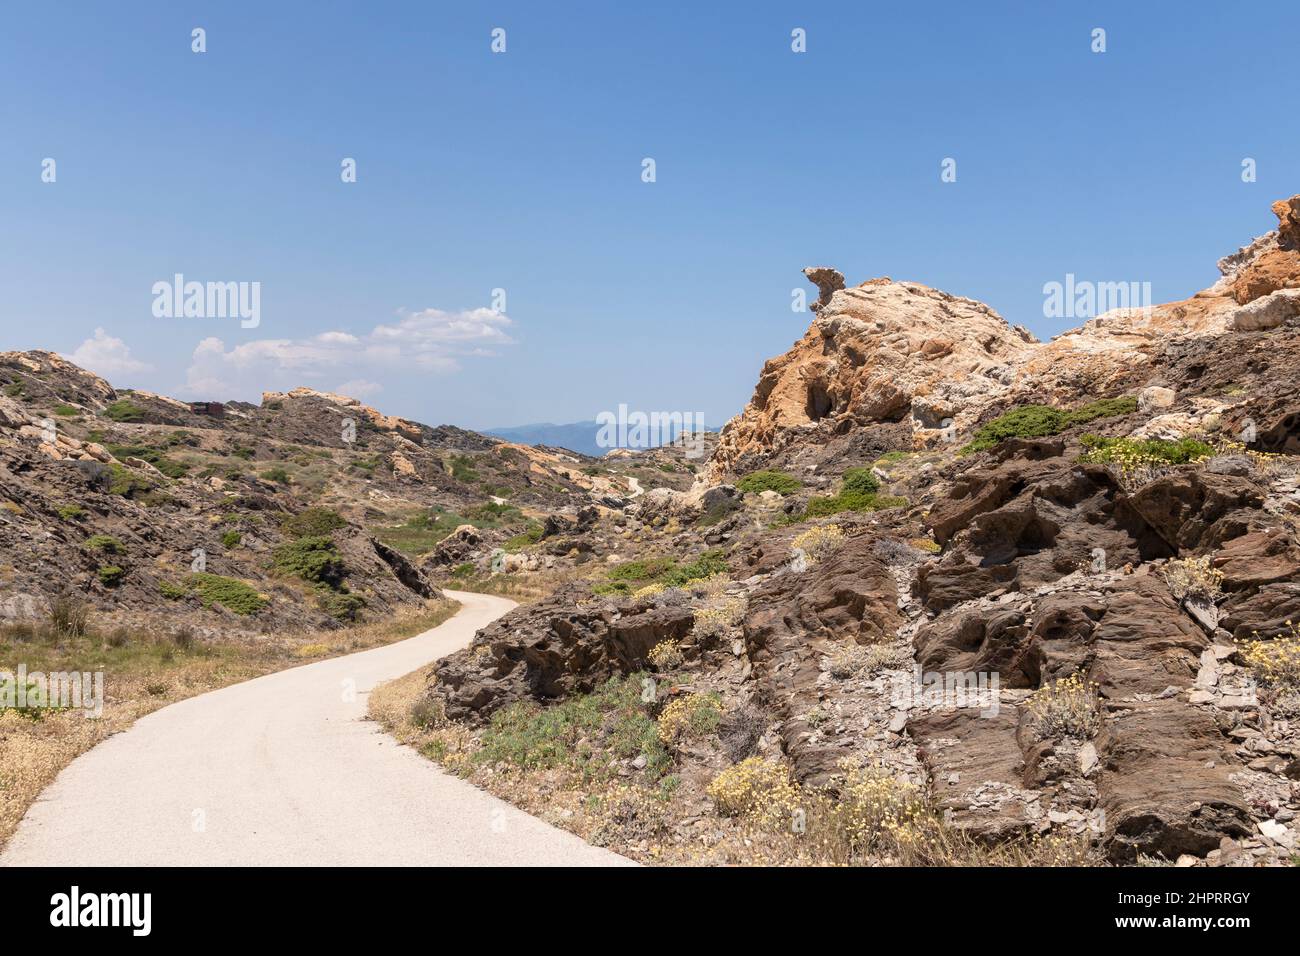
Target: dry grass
pixel 760 817
pixel 143 674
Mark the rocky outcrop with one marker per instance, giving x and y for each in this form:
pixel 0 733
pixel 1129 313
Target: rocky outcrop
pixel 796 618
pixel 896 353
pixel 550 650
pixel 881 352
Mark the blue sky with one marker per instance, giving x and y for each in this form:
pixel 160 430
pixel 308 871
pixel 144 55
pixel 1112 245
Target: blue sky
pixel 522 171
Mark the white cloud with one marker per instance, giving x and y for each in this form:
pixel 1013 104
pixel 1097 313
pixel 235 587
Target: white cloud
pixel 428 340
pixel 358 388
pixel 107 356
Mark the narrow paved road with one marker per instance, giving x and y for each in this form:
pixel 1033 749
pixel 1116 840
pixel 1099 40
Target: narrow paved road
pixel 284 770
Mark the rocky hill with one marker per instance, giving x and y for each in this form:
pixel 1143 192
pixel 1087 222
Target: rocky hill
pixel 308 510
pixel 944 593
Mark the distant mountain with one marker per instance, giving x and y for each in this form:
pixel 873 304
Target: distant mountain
pixel 575 436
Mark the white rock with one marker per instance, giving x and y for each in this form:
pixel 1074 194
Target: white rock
pixel 1267 312
pixel 1155 396
pixel 1088 759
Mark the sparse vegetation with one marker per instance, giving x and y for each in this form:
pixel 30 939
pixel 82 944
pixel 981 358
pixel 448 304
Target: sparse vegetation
pixel 124 410
pixel 580 734
pixel 1040 421
pixel 1068 707
pixel 314 559
pixel 1194 578
pixel 759 481
pixel 232 594
pixel 818 543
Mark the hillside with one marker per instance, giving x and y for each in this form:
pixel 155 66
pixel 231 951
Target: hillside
pixel 307 510
pixel 944 594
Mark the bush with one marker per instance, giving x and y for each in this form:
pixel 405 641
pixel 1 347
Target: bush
pixel 666 656
pixel 1039 421
pixel 341 605
pixel 314 559
pixel 313 522
pixel 278 475
pixel 126 483
pixel 1194 578
pixel 172 591
pixel 690 717
pixel 72 512
pixel 711 562
pixel 104 542
pixel 820 507
pixel 1131 454
pixel 170 468
pixel 818 543
pixel 232 594
pixel 66 411
pixel 1068 707
pixel 531 535
pixel 69 615
pixel 231 539
pixel 582 733
pixel 1276 662
pixel 714 622
pixel 462 469
pixel 124 410
pixel 759 481
pixel 859 481
pixel 754 786
pixel 110 575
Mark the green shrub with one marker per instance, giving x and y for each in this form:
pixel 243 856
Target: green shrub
pixel 1136 452
pixel 110 575
pixel 232 594
pixel 584 733
pixel 66 411
pixel 490 514
pixel 277 474
pixel 72 512
pixel 1039 421
pixel 760 481
pixel 314 559
pixel 231 539
pixel 711 562
pixel 168 466
pixel 341 605
pixel 463 570
pixel 859 481
pixel 124 410
pixel 313 522
pixel 172 591
pixel 125 482
pixel 634 575
pixel 531 535
pixel 104 542
pixel 462 469
pixel 819 507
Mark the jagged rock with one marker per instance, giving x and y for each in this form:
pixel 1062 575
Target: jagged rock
pixel 793 618
pixel 828 281
pixel 547 651
pixel 1268 312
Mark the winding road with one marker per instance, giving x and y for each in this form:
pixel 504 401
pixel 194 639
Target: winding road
pixel 286 770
